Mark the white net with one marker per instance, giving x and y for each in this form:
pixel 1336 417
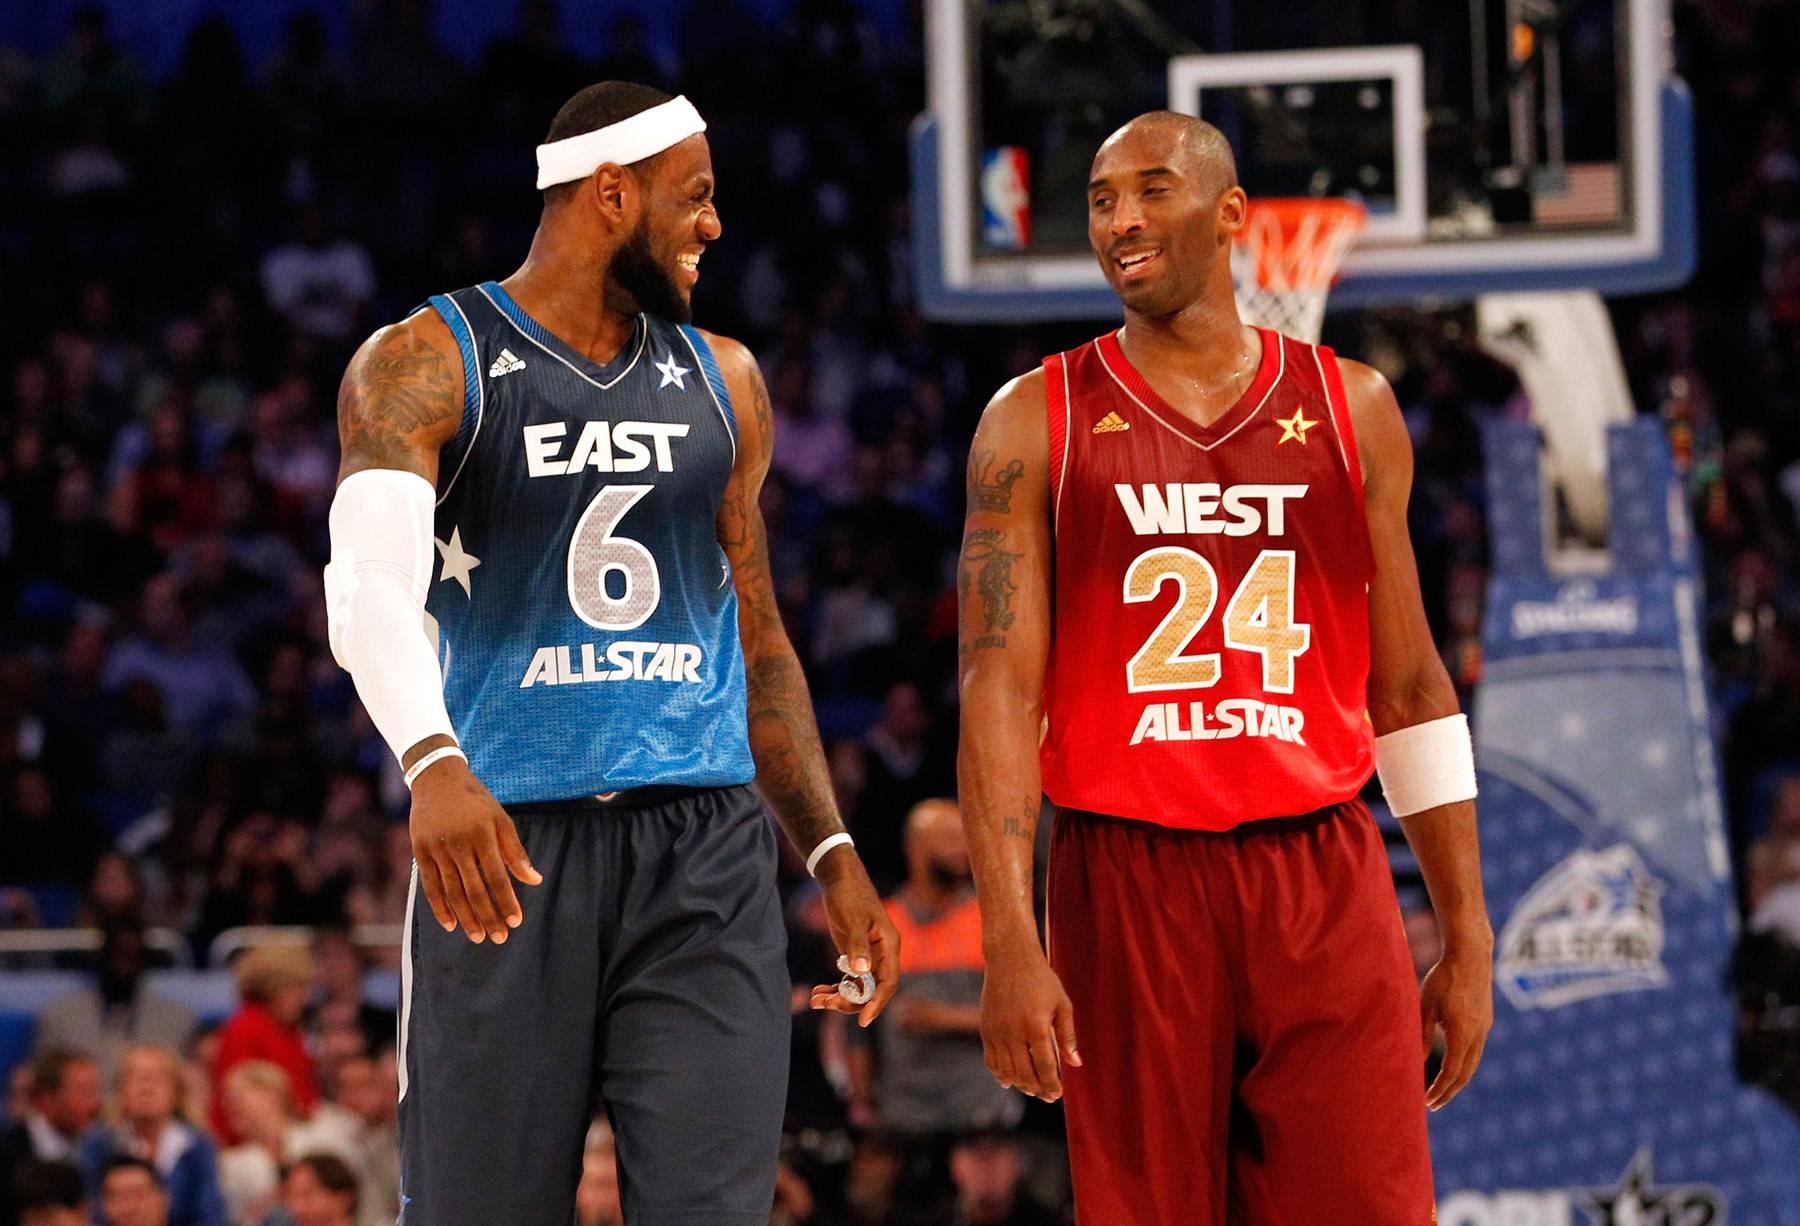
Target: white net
pixel 1286 257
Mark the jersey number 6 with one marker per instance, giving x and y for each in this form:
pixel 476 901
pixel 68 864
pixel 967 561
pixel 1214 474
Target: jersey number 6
pixel 1260 618
pixel 594 553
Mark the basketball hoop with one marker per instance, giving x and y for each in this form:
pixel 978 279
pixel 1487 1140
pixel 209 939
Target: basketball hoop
pixel 1287 256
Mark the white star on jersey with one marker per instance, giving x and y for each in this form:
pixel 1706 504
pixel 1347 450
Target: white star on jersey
pixel 457 562
pixel 671 373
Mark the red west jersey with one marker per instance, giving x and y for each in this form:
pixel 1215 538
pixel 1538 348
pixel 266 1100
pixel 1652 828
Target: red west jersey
pixel 1209 656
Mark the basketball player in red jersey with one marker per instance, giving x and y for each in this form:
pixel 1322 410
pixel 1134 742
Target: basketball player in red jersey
pixel 1191 617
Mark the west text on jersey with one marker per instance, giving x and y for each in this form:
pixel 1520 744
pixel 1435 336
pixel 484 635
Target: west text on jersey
pixel 1205 508
pixel 607 447
pixel 625 661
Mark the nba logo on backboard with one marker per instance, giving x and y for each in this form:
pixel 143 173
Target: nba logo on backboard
pixel 1006 199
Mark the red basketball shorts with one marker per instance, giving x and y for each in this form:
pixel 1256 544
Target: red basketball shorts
pixel 1249 1024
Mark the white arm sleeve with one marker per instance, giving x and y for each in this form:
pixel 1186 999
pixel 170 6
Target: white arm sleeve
pixel 375 585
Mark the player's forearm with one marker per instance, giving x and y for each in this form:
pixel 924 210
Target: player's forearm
pixel 1000 789
pixel 784 741
pixel 1423 693
pixel 1445 843
pixel 1443 838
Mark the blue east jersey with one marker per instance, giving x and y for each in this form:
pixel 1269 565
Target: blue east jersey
pixel 584 612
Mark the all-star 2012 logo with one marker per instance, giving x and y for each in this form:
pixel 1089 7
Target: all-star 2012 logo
pixel 1639 1200
pixel 1591 926
pixel 1636 1199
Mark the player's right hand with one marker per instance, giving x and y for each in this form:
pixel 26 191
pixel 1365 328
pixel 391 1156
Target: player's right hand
pixel 465 845
pixel 1027 1022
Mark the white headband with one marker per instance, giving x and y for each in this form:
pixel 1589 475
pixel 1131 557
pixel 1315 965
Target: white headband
pixel 630 140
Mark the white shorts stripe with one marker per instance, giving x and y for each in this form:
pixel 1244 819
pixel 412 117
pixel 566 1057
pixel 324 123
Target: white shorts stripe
pixel 406 976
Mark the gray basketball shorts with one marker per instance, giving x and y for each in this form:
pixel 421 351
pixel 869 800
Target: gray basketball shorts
pixel 649 974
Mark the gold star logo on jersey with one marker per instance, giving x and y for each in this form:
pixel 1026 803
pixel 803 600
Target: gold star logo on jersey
pixel 1295 427
pixel 1112 423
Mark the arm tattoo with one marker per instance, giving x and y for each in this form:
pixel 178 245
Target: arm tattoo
pixel 784 737
pixel 397 387
pixel 734 519
pixel 990 490
pixel 1021 827
pixel 765 414
pixel 987 565
pixel 784 740
pixel 735 510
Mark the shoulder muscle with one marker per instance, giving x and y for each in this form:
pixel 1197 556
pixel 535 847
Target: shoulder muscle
pixel 1382 442
pixel 749 396
pixel 1015 422
pixel 401 398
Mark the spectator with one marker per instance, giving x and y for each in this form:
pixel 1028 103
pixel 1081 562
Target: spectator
pixel 925 1076
pixel 48 838
pixel 366 1089
pixel 202 688
pixel 320 1190
pixel 119 1009
pixel 872 1181
pixel 321 283
pixel 263 877
pixel 273 982
pixel 91 67
pixel 986 1170
pixel 307 88
pixel 115 892
pixel 794 1203
pixel 47 1194
pixel 815 449
pixel 1774 858
pixel 132 1194
pixel 340 1002
pixel 259 1102
pixel 1779 912
pixel 531 72
pixel 152 1127
pixel 64 1100
pixel 144 759
pixel 168 497
pixel 907 761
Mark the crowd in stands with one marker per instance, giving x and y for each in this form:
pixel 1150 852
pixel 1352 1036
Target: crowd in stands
pixel 191 260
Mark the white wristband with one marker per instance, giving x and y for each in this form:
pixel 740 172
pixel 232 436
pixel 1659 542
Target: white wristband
pixel 1426 765
pixel 840 839
pixel 436 755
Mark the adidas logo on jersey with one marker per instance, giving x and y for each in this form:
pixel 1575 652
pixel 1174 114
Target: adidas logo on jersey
pixel 1112 423
pixel 505 364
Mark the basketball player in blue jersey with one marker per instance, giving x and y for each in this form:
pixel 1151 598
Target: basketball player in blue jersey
pixel 549 580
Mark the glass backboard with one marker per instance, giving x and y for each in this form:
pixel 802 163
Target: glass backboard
pixel 1497 144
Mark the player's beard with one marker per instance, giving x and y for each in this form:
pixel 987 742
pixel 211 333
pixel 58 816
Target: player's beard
pixel 635 271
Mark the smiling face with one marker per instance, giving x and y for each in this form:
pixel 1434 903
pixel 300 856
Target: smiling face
pixel 659 265
pixel 1163 205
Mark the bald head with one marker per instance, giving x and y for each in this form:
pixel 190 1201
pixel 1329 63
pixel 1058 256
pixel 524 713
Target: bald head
pixel 937 853
pixel 1183 142
pixel 930 818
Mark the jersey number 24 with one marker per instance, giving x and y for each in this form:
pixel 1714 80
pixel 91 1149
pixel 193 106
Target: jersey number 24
pixel 1259 618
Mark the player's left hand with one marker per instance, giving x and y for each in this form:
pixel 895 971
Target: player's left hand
pixel 1458 998
pixel 862 931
